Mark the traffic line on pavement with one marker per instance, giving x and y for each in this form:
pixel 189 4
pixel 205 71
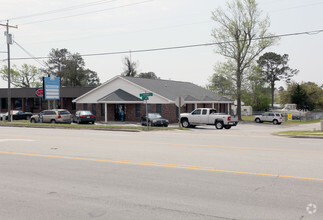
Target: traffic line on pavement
pixel 23 140
pixel 182 145
pixel 178 166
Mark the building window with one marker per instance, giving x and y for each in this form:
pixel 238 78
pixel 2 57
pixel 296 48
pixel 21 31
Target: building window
pixel 94 109
pixel 73 105
pixel 84 106
pixel 193 107
pixel 148 108
pixel 102 110
pixel 159 108
pixel 17 103
pixel 138 114
pixel 4 103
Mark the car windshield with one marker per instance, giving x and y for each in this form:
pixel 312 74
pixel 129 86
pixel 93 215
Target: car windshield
pixel 154 115
pixel 85 113
pixel 63 112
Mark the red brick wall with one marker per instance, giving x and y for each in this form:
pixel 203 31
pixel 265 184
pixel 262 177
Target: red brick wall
pixel 168 111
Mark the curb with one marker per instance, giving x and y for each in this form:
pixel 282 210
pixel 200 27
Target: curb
pixel 303 136
pixel 53 127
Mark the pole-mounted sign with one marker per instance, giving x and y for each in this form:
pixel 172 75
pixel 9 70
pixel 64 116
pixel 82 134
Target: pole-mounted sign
pixel 51 88
pixel 145 96
pixel 40 92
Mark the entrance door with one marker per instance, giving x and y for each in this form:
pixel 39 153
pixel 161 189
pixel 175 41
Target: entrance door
pixel 120 112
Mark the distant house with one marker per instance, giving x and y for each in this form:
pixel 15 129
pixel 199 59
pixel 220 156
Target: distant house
pixel 121 96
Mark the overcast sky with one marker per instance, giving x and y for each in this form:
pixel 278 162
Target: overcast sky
pixel 93 26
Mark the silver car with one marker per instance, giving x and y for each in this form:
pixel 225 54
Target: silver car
pixel 275 118
pixel 52 116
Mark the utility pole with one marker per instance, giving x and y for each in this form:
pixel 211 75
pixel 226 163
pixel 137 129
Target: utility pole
pixel 9 41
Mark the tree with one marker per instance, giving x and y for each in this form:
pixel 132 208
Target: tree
pixel 130 68
pixel 222 81
pixel 274 67
pixel 27 76
pixel 299 97
pixel 307 95
pixel 241 35
pixel 148 75
pixel 70 68
pixel 256 92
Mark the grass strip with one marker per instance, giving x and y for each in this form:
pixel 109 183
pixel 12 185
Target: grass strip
pixel 25 123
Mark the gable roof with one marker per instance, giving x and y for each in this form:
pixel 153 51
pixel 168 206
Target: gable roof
pixel 174 89
pixel 120 96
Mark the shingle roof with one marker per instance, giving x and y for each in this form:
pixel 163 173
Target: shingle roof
pixel 120 96
pixel 174 89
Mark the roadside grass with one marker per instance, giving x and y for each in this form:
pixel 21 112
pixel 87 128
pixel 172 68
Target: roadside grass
pixel 299 133
pixel 248 118
pixel 26 123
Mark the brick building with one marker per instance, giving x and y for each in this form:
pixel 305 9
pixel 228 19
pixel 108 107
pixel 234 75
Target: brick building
pixel 121 96
pixel 25 99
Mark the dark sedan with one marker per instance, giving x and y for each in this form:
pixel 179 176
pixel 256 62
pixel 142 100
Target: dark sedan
pixel 84 117
pixel 18 115
pixel 154 119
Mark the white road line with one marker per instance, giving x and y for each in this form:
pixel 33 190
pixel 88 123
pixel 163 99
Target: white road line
pixel 8 140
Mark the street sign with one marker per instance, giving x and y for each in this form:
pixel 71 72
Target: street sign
pixel 145 96
pixel 40 92
pixel 179 102
pixel 51 88
pixel 290 116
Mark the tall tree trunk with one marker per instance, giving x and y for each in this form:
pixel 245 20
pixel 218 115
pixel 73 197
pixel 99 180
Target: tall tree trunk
pixel 239 93
pixel 272 94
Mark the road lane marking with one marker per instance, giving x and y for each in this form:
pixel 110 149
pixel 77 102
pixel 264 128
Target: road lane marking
pixel 24 140
pixel 172 144
pixel 154 164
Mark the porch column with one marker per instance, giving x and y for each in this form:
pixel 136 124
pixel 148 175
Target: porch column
pixel 212 105
pixel 195 105
pixel 228 108
pixel 105 112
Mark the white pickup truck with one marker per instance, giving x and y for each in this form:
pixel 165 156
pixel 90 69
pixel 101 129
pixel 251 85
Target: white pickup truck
pixel 207 116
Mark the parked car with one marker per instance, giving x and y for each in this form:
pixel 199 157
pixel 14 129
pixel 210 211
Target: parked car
pixel 275 118
pixel 84 117
pixel 17 115
pixel 154 119
pixel 52 116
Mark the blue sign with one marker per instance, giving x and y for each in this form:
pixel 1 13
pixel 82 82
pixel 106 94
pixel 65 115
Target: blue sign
pixel 51 88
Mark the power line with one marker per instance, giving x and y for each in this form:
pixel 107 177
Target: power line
pixel 85 13
pixel 180 47
pixel 63 9
pixel 299 6
pixel 33 57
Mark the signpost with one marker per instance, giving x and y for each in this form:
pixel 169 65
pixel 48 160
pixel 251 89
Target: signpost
pixel 51 89
pixel 179 102
pixel 145 97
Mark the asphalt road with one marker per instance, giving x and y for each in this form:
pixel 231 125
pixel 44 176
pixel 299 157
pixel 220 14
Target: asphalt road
pixel 241 173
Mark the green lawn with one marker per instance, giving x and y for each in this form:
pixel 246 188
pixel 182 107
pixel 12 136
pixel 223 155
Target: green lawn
pixel 299 133
pixel 26 123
